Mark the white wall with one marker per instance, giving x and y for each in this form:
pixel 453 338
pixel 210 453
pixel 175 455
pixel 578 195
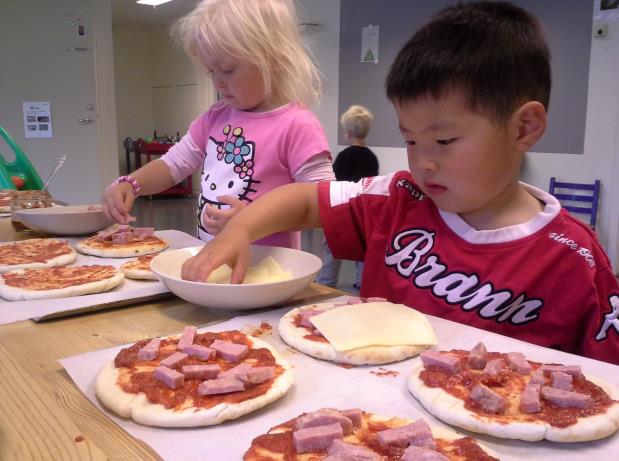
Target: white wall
pixel 600 159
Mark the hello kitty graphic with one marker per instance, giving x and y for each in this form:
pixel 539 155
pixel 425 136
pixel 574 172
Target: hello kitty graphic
pixel 228 169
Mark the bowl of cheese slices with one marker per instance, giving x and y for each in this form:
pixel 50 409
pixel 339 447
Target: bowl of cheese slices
pixel 274 275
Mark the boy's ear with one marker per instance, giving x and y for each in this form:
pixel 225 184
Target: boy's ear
pixel 529 121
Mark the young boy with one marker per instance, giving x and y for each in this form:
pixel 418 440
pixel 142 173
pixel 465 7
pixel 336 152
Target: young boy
pixel 459 236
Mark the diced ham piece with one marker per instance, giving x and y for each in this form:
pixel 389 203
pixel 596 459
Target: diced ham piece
pixel 259 375
pixel 494 367
pixel 187 338
pixel 537 377
pixel 417 433
pixel 433 359
pixel 229 351
pixel 355 300
pixel 176 360
pixel 141 233
pixel 150 351
pixel 374 299
pixel 566 399
pixel 171 378
pixel 573 370
pixel 518 363
pixel 201 352
pixel 355 415
pixel 306 316
pixel 488 399
pixel 421 454
pixel 122 237
pixel 344 451
pixel 220 386
pixel 529 399
pixel 323 417
pixel 106 234
pixel 201 371
pixel 238 372
pixel 477 357
pixel 316 438
pixel 561 380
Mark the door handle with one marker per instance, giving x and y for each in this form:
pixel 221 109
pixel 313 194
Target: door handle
pixel 86 121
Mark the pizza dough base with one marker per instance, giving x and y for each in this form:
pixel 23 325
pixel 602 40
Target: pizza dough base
pixel 141 410
pixel 11 293
pixel 137 274
pixel 437 432
pixel 452 410
pixel 61 260
pixel 134 249
pixel 374 355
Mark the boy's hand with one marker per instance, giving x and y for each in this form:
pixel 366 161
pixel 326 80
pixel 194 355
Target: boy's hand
pixel 117 202
pixel 214 219
pixel 231 247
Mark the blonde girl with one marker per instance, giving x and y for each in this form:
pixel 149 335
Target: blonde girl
pixel 259 135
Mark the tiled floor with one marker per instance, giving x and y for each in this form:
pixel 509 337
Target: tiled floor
pixel 180 214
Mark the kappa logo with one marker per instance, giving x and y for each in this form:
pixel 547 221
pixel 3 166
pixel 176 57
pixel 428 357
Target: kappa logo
pixel 411 188
pixel 412 260
pixel 610 320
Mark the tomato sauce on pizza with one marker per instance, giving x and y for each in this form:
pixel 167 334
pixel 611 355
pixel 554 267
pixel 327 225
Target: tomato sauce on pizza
pixel 52 278
pixel 137 375
pixel 311 336
pixel 32 251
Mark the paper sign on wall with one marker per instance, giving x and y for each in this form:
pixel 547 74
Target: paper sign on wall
pixel 369 44
pixel 37 119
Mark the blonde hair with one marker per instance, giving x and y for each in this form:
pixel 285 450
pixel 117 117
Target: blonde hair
pixel 356 121
pixel 263 32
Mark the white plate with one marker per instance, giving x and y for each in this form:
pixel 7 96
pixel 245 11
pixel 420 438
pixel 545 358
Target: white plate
pixel 304 267
pixel 64 220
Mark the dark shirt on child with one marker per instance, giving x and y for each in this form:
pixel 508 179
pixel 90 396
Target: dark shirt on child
pixel 354 163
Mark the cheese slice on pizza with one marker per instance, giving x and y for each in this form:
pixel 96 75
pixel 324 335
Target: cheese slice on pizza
pixel 195 379
pixel 35 253
pixel 376 332
pixel 506 395
pixel 139 269
pixel 334 435
pixel 58 282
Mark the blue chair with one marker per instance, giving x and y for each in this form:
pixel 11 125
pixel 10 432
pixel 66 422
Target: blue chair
pixel 572 198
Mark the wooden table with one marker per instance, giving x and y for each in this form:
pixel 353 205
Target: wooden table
pixel 43 415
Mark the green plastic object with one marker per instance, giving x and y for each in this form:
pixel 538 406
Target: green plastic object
pixel 20 168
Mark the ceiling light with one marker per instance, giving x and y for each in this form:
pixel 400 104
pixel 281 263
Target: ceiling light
pixel 152 2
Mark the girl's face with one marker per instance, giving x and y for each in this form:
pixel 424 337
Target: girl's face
pixel 459 158
pixel 238 82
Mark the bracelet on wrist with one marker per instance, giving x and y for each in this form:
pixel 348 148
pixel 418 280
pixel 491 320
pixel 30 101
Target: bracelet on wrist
pixel 128 179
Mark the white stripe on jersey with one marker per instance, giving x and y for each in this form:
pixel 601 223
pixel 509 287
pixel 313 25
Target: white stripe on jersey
pixel 343 191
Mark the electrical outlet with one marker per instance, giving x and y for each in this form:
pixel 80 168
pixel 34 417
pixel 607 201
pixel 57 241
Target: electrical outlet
pixel 600 30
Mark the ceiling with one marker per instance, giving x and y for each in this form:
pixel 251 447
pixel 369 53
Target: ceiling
pixel 130 12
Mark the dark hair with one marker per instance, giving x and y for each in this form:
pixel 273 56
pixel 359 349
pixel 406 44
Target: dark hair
pixel 494 51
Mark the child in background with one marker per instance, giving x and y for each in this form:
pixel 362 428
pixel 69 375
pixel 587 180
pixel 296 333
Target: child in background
pixel 459 236
pixel 260 135
pixel 353 163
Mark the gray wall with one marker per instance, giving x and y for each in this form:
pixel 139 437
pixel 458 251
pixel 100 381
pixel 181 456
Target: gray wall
pixel 568 29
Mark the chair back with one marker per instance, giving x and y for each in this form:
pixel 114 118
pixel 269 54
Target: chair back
pixel 578 197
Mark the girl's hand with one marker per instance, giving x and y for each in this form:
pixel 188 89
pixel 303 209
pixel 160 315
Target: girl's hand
pixel 215 219
pixel 231 247
pixel 117 202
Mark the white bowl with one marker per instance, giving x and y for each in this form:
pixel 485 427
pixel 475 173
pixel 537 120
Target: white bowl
pixel 64 220
pixel 304 267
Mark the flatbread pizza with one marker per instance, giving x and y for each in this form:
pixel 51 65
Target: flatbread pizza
pixel 139 268
pixel 122 241
pixel 374 343
pixel 508 396
pixel 5 201
pixel 333 435
pixel 58 282
pixel 196 379
pixel 35 253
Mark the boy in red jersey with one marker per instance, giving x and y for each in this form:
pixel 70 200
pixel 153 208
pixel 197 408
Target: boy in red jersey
pixel 459 236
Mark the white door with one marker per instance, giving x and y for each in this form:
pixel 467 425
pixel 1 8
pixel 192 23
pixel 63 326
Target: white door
pixel 47 54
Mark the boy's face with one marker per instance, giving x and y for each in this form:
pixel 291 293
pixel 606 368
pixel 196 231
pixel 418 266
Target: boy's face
pixel 459 158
